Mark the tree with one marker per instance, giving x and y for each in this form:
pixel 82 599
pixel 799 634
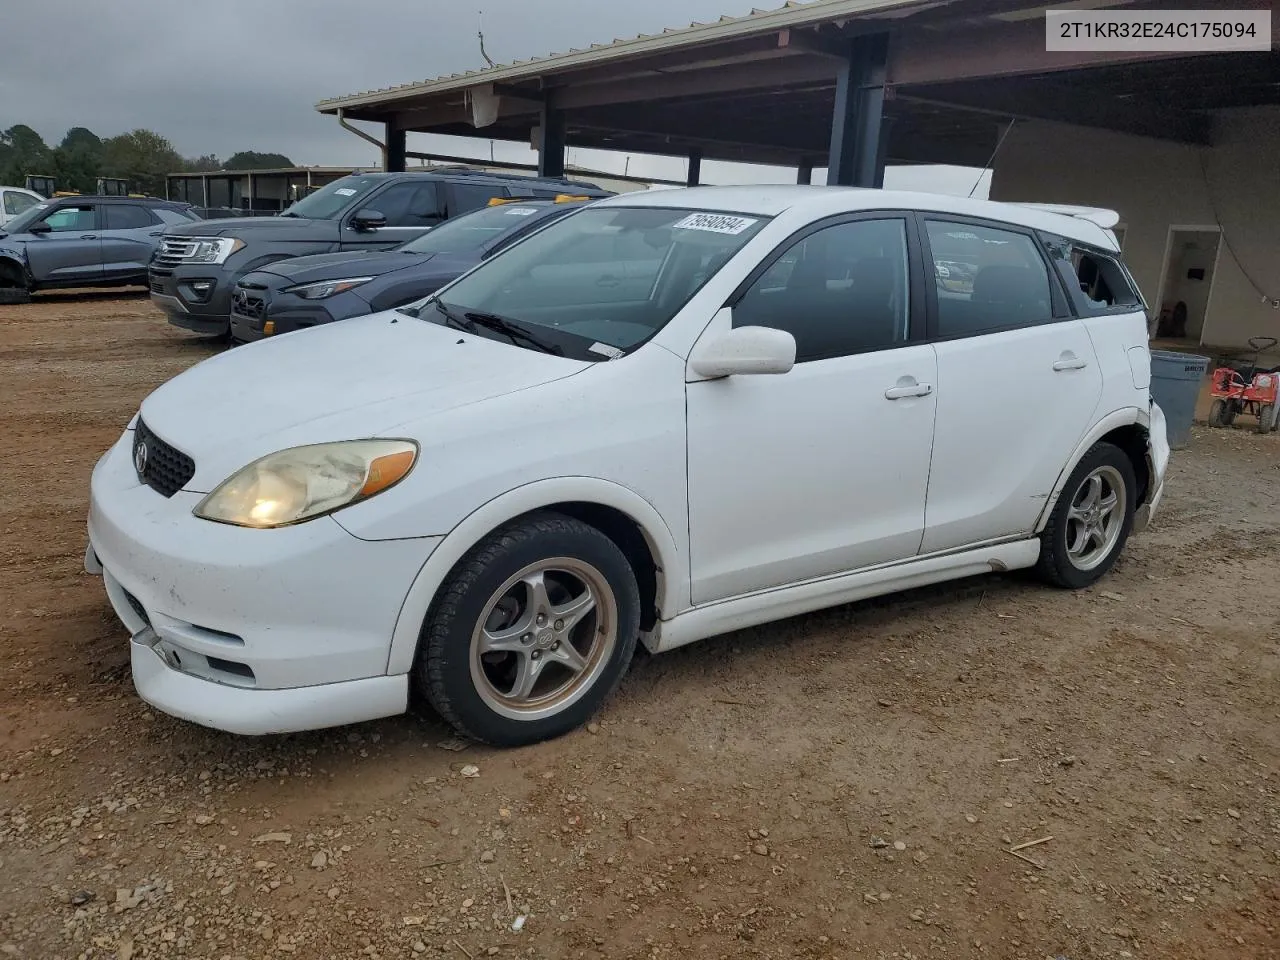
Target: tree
pixel 77 161
pixel 142 157
pixel 204 164
pixel 252 160
pixel 23 152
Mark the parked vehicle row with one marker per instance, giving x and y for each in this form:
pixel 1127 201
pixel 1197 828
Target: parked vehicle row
pixel 194 275
pixel 304 292
pixel 82 241
pixel 663 417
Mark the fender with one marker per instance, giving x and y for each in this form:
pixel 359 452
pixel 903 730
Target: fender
pixel 16 257
pixel 673 585
pixel 1124 417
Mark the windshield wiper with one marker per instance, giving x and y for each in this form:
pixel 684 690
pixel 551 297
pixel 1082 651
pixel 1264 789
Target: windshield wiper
pixel 511 330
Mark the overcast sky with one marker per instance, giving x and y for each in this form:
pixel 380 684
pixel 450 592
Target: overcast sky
pixel 246 74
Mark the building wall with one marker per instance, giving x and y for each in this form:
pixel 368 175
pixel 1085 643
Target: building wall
pixel 1155 185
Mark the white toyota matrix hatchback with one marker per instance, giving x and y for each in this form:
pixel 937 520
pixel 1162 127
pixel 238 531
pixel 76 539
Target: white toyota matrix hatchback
pixel 661 418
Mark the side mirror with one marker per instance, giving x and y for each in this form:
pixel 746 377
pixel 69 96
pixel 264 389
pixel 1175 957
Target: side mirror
pixel 744 350
pixel 40 227
pixel 367 219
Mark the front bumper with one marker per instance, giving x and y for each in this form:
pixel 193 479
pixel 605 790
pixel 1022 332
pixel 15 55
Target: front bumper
pixel 249 631
pixel 285 312
pixel 1157 465
pixel 178 292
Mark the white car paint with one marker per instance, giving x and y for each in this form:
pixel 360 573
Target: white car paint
pixel 15 201
pixel 759 496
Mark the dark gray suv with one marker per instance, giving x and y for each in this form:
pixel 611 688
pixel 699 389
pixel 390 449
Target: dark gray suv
pixel 194 273
pixel 83 242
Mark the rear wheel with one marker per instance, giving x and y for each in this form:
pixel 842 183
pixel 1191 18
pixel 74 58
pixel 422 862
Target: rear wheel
pixel 1267 418
pixel 531 632
pixel 1091 520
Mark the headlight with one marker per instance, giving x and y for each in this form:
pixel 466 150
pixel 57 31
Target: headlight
pixel 213 250
pixel 326 288
pixel 305 482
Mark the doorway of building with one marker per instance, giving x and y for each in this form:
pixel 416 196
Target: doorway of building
pixel 1190 260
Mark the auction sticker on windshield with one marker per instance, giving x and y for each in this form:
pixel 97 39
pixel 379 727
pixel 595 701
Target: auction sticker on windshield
pixel 714 223
pixel 520 211
pixel 344 192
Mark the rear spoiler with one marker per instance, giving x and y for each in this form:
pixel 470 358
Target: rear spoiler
pixel 1104 218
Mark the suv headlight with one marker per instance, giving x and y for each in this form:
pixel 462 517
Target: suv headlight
pixel 213 250
pixel 326 288
pixel 301 483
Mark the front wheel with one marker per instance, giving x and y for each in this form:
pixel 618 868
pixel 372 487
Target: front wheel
pixel 1091 520
pixel 531 632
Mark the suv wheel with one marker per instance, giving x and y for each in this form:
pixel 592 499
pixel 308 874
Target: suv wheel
pixel 1091 521
pixel 531 632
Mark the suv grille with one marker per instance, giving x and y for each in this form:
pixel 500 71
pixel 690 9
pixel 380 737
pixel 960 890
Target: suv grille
pixel 165 469
pixel 173 250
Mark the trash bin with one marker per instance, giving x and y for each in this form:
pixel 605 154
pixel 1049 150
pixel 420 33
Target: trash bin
pixel 1175 385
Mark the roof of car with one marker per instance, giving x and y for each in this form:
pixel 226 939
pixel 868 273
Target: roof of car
pixel 771 200
pixel 461 173
pixel 103 198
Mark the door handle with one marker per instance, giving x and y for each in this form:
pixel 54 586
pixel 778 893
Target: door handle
pixel 89 236
pixel 908 390
pixel 1070 363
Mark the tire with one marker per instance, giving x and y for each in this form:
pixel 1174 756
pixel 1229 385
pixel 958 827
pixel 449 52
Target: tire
pixel 489 599
pixel 1063 563
pixel 1218 413
pixel 1267 418
pixel 14 295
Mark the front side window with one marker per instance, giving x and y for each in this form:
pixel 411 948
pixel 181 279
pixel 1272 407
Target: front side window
pixel 330 200
pixel 841 290
pixel 16 203
pixel 70 219
pixel 987 279
pixel 409 203
pixel 611 277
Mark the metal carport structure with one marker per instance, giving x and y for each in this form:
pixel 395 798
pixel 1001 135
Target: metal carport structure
pixel 846 84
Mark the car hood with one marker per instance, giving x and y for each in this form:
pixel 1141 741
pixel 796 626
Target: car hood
pixel 380 375
pixel 339 266
pixel 273 228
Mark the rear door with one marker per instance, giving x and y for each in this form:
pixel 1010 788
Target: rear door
pixel 70 252
pixel 1019 375
pixel 130 233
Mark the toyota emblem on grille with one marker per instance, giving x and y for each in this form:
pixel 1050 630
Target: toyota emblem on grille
pixel 140 457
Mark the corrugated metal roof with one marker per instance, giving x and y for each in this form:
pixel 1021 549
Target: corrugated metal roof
pixel 793 13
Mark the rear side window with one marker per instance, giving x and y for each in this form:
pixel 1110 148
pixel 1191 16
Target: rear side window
pixel 472 196
pixel 127 216
pixel 987 279
pixel 1095 280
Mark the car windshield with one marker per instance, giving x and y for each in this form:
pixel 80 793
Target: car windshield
pixel 23 220
pixel 605 279
pixel 330 200
pixel 473 230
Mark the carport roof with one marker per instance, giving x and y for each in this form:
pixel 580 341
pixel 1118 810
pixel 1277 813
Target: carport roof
pixel 793 13
pixel 761 87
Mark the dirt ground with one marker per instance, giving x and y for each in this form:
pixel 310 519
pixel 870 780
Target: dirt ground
pixel 846 784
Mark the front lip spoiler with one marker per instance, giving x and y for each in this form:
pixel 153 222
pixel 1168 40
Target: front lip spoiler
pixel 166 298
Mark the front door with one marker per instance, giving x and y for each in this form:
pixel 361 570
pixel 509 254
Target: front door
pixel 824 469
pixel 1021 384
pixel 71 251
pixel 410 207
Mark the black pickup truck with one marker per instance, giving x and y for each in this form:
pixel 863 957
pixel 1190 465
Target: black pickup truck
pixel 194 272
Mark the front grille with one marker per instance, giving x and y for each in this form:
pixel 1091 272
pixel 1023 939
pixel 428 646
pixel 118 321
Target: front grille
pixel 165 469
pixel 173 251
pixel 250 305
